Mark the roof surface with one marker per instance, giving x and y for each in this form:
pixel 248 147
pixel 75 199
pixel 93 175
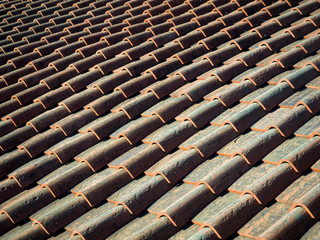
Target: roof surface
pixel 160 119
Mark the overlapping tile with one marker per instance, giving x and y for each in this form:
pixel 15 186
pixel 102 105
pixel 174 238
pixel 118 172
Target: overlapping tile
pixel 181 119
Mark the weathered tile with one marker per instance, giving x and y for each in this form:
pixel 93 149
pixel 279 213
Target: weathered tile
pixel 264 219
pixel 255 173
pixel 285 148
pixel 215 207
pixel 299 188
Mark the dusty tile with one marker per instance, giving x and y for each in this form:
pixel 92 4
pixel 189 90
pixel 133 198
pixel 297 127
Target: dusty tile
pixel 215 207
pixel 309 127
pixel 255 173
pixel 286 147
pixel 264 219
pixel 299 188
pixel 313 232
pixel 207 167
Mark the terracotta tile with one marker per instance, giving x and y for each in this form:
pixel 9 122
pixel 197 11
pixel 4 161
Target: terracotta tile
pixel 77 101
pixel 16 137
pixel 251 96
pixel 137 163
pixel 6 56
pixel 204 169
pixel 182 28
pixel 117 217
pixel 303 157
pixel 156 185
pixel 224 73
pixel 307 73
pixel 53 97
pixel 156 9
pixel 34 170
pixel 310 102
pixel 292 100
pixel 29 200
pixel 24 114
pixel 93 38
pixel 113 50
pixel 215 140
pixel 72 123
pixel 172 33
pixel 299 188
pixel 297 223
pixel 132 86
pixel 108 83
pixel 162 162
pixel 201 9
pixel 162 39
pixel 9 188
pixel 49 47
pixel 199 135
pixel 266 29
pixel 313 232
pixel 4 69
pixel 57 214
pixel 26 96
pixel 109 179
pixel 81 81
pixel 72 146
pixel 136 67
pixel 197 89
pixel 228 113
pixel 254 174
pixel 158 227
pixel 6 224
pixel 87 51
pixel 112 64
pixel 47 139
pixel 132 107
pixel 12 77
pixel 13 160
pixel 28 48
pixel 26 231
pixel 137 13
pixel 238 143
pixel 252 57
pixel 171 135
pixel 284 127
pixel 308 128
pixel 69 51
pixel 217 57
pixel 279 178
pixel 289 145
pixel 6 108
pixel 11 46
pixel 62 179
pixel 140 50
pixel 64 236
pixel 274 9
pixel 303 62
pixel 198 197
pixel 107 151
pixel 263 220
pixel 105 103
pixel 170 197
pixel 136 130
pixel 214 207
pixel 168 109
pixel 186 232
pixel 104 126
pixel 205 19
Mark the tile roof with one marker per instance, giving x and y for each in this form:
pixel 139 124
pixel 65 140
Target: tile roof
pixel 159 119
